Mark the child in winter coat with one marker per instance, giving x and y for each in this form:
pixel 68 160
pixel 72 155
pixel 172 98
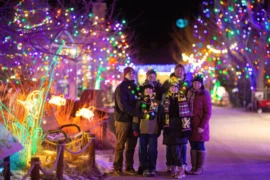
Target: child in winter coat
pixel 148 129
pixel 176 127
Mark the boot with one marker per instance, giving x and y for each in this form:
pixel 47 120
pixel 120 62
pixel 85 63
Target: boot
pixel 180 173
pixel 173 171
pixel 201 155
pixel 193 155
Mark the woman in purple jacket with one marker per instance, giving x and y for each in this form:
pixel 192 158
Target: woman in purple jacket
pixel 200 105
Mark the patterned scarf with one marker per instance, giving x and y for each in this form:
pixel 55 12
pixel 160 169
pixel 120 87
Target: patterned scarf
pixel 190 97
pixel 184 112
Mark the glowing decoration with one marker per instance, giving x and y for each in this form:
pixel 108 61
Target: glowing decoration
pixel 58 100
pixel 27 129
pixel 181 23
pixel 33 103
pixel 87 113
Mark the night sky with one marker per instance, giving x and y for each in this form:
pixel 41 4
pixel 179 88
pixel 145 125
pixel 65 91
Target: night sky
pixel 152 21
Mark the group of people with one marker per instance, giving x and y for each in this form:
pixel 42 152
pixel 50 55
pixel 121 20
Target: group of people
pixel 178 108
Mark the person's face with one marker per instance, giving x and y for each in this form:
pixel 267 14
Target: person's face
pixel 196 85
pixel 148 91
pixel 179 72
pixel 151 77
pixel 130 75
pixel 174 89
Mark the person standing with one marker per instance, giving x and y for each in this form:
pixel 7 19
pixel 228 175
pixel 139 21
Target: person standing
pixel 148 129
pixel 176 127
pixel 124 111
pixel 151 76
pixel 183 85
pixel 201 109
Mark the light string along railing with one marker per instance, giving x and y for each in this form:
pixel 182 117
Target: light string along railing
pixel 61 146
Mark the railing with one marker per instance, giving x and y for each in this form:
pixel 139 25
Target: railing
pixel 36 167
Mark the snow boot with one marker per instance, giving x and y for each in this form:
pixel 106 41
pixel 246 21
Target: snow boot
pixel 193 155
pixel 201 155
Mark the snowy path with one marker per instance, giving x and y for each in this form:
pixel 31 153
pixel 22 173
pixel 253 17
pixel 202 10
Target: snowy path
pixel 239 148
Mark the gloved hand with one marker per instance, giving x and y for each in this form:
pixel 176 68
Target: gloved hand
pixel 135 133
pixel 200 130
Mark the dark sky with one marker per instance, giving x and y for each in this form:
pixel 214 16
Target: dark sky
pixel 152 20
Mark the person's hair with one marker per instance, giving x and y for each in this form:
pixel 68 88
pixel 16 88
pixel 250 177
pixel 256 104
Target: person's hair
pixel 180 66
pixel 151 71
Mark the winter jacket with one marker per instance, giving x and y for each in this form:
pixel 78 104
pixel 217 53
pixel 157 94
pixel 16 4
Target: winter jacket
pixel 158 90
pixel 150 125
pixel 202 110
pixel 125 101
pixel 172 135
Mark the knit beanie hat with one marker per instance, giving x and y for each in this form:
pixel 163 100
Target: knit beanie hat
pixel 128 70
pixel 198 78
pixel 151 71
pixel 173 81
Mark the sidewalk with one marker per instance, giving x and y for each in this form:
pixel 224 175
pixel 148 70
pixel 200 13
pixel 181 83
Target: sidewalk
pixel 239 148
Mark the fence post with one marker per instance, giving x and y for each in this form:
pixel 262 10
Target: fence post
pixel 60 163
pixel 35 172
pixel 91 150
pixel 6 171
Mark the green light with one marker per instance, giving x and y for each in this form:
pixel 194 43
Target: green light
pixel 23 19
pixel 230 8
pixel 232 33
pixel 132 92
pixel 143 105
pixel 124 21
pixel 215 38
pixel 247 76
pixel 219 62
pixel 90 15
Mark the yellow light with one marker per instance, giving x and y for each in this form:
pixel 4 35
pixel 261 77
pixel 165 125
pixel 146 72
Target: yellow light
pixel 58 100
pixel 86 113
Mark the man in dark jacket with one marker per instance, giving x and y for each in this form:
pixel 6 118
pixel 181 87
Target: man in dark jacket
pixel 125 102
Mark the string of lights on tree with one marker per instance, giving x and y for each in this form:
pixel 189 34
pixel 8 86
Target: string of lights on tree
pixel 93 51
pixel 232 38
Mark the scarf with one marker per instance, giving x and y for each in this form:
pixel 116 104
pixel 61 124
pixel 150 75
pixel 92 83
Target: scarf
pixel 191 96
pixel 184 112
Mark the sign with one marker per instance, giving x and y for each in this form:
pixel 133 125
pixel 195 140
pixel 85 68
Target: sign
pixel 8 143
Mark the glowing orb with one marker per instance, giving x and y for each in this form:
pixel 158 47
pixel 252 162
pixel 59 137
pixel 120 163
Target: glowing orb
pixel 181 23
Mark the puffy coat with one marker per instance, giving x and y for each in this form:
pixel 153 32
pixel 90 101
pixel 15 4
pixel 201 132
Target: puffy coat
pixel 125 102
pixel 202 110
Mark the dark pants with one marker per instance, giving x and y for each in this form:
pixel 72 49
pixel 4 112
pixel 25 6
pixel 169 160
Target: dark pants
pixel 183 153
pixel 197 145
pixel 124 137
pixel 148 151
pixel 174 155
